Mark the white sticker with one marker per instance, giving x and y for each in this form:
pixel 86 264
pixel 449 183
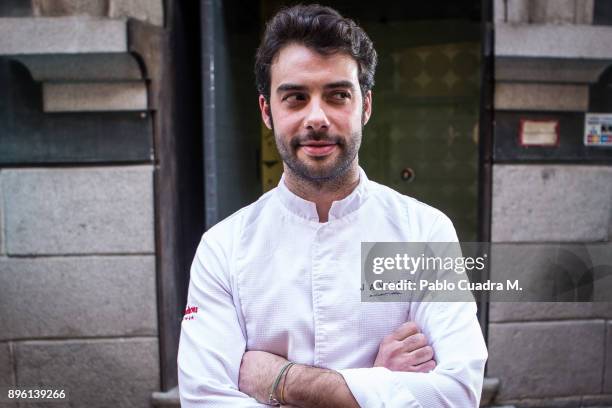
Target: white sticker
pixel 539 132
pixel 598 129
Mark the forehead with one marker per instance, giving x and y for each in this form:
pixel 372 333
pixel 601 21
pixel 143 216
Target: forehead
pixel 298 64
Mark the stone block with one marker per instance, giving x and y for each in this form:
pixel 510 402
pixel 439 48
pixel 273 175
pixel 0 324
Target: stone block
pixel 78 297
pixel 7 377
pixel 541 97
pixel 529 311
pixel 151 11
pixel 549 70
pixel 584 11
pixel 546 359
pixel 551 203
pixel 553 41
pixel 61 35
pixel 561 12
pixel 552 272
pixel 98 210
pixel 499 11
pixel 96 373
pixel 517 11
pixel 553 12
pixel 607 385
pixel 94 96
pixel 54 8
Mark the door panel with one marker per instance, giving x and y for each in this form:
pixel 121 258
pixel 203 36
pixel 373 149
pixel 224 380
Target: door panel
pixel 426 127
pixel 425 116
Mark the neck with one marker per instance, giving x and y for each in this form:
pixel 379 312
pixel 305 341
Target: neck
pixel 323 193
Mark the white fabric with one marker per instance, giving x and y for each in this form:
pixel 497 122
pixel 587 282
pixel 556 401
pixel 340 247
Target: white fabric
pixel 272 278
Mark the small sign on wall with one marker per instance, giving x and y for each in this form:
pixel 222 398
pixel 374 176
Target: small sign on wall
pixel 598 129
pixel 539 133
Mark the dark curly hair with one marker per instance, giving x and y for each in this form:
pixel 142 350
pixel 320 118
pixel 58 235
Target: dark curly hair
pixel 320 28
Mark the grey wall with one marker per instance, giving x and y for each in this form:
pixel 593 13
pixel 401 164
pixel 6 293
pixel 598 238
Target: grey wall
pixel 545 351
pixel 77 272
pixel 550 354
pixel 151 11
pixel 78 290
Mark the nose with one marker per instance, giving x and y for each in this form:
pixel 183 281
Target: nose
pixel 316 120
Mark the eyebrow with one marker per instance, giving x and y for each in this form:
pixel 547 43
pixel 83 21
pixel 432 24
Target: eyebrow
pixel 340 84
pixel 296 87
pixel 290 87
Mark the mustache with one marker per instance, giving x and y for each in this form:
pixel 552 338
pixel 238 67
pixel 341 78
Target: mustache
pixel 318 137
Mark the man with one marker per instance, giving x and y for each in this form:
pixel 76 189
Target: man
pixel 278 282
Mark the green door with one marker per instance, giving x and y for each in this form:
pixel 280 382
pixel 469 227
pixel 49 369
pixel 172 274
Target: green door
pixel 423 138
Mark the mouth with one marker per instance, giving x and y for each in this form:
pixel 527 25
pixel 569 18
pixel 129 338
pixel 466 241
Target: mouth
pixel 318 149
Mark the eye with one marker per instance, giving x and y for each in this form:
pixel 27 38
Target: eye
pixel 341 95
pixel 294 98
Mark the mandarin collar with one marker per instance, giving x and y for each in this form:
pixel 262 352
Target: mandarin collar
pixel 308 210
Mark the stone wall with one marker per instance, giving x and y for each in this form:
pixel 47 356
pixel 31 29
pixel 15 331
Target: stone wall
pixel 150 11
pixel 77 272
pixel 544 11
pixel 78 259
pixel 550 354
pixel 544 351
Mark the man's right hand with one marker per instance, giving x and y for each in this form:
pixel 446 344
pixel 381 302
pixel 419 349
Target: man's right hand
pixel 406 349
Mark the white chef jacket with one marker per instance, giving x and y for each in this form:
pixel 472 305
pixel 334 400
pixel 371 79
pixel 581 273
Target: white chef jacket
pixel 271 277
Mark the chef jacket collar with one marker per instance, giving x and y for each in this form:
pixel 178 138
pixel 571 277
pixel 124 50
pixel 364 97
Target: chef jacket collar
pixel 307 209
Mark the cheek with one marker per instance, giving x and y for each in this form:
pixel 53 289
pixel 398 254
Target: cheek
pixel 346 118
pixel 287 122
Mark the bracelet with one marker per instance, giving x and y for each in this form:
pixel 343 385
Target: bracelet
pixel 282 392
pixel 272 400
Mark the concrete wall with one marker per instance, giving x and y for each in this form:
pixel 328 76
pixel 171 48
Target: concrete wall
pixel 550 354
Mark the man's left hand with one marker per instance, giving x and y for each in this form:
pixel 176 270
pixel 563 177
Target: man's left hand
pixel 406 349
pixel 258 370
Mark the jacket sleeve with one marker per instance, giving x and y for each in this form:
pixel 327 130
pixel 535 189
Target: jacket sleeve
pixel 456 382
pixel 212 338
pixel 460 352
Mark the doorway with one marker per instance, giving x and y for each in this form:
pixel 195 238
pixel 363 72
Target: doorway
pixel 422 140
pixel 430 133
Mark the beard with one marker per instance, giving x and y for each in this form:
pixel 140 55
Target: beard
pixel 319 169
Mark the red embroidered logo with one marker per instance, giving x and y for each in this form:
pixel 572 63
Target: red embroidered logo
pixel 190 312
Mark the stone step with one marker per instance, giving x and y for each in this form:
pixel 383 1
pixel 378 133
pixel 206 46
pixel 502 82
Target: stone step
pixel 62 35
pixel 549 53
pixel 84 63
pixel 553 41
pixel 94 96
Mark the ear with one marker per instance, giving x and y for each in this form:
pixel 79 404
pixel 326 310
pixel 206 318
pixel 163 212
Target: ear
pixel 264 107
pixel 367 107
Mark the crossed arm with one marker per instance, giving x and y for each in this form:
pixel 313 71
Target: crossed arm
pixel 214 369
pixel 405 349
